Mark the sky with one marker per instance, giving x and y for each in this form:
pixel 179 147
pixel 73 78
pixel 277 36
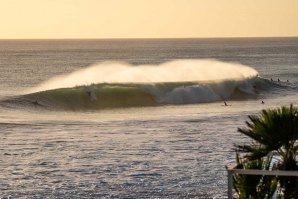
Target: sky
pixel 46 19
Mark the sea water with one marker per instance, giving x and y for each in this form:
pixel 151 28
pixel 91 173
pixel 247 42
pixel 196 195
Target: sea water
pixel 62 144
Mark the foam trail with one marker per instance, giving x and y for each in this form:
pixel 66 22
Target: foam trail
pixel 174 71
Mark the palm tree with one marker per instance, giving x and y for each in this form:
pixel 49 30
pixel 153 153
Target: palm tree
pixel 254 186
pixel 275 134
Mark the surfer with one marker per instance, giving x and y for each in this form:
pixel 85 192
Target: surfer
pixel 271 79
pixel 90 91
pixel 278 80
pixel 225 103
pixel 35 102
pixel 263 102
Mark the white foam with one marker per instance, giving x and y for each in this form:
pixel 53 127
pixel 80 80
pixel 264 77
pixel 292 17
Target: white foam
pixel 173 71
pixel 190 94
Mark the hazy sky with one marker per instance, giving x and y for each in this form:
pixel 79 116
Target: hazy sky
pixel 147 18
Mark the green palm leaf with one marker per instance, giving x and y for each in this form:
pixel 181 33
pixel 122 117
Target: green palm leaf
pixel 274 131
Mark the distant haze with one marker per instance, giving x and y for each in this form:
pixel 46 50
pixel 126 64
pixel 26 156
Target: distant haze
pixel 34 19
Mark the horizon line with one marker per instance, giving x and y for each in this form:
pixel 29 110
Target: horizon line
pixel 143 38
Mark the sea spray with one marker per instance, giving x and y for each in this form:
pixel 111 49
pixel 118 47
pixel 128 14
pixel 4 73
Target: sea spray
pixel 198 70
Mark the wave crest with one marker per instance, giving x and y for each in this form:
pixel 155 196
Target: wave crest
pixel 200 70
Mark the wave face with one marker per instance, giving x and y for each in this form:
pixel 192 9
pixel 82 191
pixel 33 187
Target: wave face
pixel 101 96
pixel 176 82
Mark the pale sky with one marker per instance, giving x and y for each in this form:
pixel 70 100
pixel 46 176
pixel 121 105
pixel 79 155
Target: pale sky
pixel 35 19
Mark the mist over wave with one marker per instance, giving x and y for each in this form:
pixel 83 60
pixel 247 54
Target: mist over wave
pixel 199 70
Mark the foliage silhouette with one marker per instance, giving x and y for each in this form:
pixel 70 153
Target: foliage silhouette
pixel 274 133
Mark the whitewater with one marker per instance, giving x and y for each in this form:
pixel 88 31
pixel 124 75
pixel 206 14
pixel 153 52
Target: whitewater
pixel 133 118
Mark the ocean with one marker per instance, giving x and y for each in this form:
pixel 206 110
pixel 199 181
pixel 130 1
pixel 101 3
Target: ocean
pixel 133 118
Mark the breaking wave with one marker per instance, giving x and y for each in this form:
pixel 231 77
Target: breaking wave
pixel 176 82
